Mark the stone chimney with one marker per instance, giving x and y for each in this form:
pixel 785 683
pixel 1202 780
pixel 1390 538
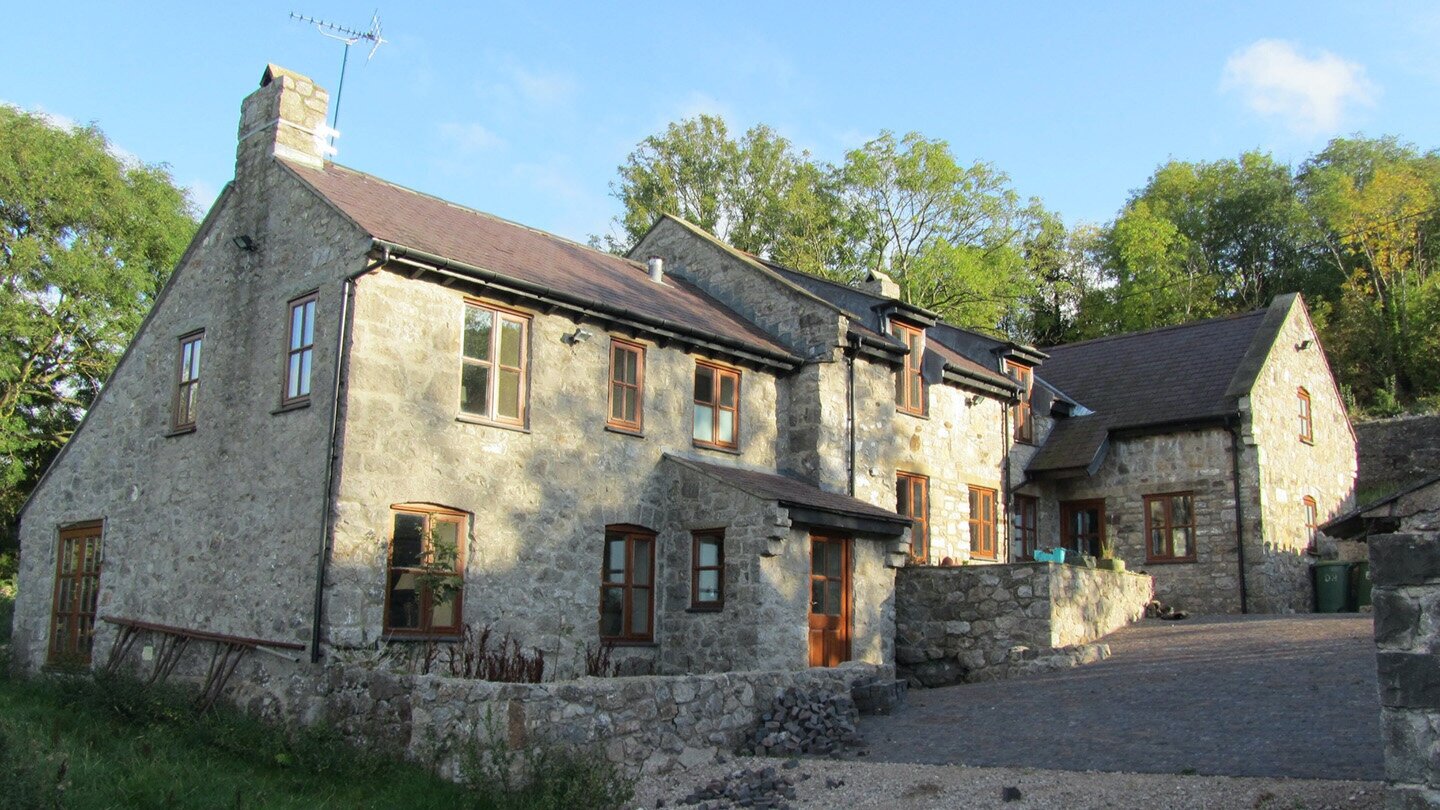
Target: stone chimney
pixel 877 283
pixel 285 118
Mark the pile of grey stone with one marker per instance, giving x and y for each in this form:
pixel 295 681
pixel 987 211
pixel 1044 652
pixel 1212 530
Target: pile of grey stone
pixel 750 787
pixel 801 722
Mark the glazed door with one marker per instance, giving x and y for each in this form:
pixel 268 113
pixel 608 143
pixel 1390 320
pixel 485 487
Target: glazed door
pixel 829 600
pixel 1082 524
pixel 77 590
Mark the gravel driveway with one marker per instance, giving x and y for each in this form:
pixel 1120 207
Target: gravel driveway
pixel 1265 696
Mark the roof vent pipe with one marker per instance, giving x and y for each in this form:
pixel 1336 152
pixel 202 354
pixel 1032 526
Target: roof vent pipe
pixel 657 269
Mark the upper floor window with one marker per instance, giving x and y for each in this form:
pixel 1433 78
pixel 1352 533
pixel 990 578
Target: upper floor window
pixel 912 499
pixel 909 385
pixel 1027 534
pixel 493 366
pixel 717 406
pixel 1170 527
pixel 627 384
pixel 1020 415
pixel 300 350
pixel 627 589
pixel 1312 522
pixel 1307 425
pixel 425 582
pixel 187 382
pixel 707 570
pixel 982 522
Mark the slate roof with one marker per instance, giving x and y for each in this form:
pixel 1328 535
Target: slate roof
pixel 790 491
pixel 568 270
pixel 1174 374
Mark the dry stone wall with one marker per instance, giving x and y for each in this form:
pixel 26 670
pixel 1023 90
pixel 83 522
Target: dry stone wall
pixel 981 622
pixel 1394 452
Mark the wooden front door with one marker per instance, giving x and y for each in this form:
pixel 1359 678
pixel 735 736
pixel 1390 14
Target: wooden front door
pixel 829 600
pixel 77 590
pixel 1082 524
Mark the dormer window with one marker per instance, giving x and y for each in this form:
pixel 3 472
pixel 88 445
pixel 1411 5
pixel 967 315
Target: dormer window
pixel 1020 415
pixel 909 385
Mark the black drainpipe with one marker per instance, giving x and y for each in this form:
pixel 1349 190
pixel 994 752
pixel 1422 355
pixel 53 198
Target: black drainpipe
pixel 1239 510
pixel 850 353
pixel 327 519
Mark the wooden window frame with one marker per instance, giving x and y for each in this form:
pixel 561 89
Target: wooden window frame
pixel 718 372
pixel 1307 416
pixel 427 628
pixel 913 400
pixel 491 414
pixel 628 586
pixel 1026 520
pixel 717 536
pixel 1068 539
pixel 186 396
pixel 299 349
pixel 910 483
pixel 1021 414
pixel 979 525
pixel 1312 524
pixel 617 384
pixel 1168 498
pixel 82 607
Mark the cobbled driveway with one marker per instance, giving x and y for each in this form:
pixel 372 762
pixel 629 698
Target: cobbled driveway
pixel 1289 696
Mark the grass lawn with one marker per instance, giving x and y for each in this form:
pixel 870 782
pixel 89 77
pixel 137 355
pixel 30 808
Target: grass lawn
pixel 79 743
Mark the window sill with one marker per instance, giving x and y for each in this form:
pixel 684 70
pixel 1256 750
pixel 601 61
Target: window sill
pixel 392 636
pixel 1307 442
pixel 706 608
pixel 1171 561
pixel 625 431
pixel 183 431
pixel 297 405
pixel 471 419
pixel 615 642
pixel 913 414
pixel 734 451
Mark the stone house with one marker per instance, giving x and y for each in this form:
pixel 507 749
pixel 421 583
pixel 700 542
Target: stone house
pixel 358 414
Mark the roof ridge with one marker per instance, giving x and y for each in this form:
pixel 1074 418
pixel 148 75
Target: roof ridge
pixel 485 214
pixel 1157 329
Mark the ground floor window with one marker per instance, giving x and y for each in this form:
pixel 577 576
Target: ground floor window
pixel 1312 524
pixel 627 589
pixel 707 570
pixel 425 579
pixel 1027 529
pixel 1082 526
pixel 912 499
pixel 1170 527
pixel 982 522
pixel 77 592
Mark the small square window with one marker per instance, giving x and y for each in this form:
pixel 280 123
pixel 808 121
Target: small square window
pixel 1170 527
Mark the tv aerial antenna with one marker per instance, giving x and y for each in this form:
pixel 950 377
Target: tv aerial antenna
pixel 349 36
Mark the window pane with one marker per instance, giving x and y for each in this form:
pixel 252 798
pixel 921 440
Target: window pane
pixel 1157 512
pixel 1157 542
pixel 309 330
pixel 640 612
pixel 1184 540
pixel 187 403
pixel 725 434
pixel 1181 510
pixel 817 596
pixel 297 327
pixel 632 367
pixel 833 592
pixel 404 601
pixel 708 586
pixel 902 498
pixel 442 611
pixel 477 332
pixel 511 333
pixel 612 611
pixel 704 423
pixel 292 382
pixel 915 398
pixel 409 540
pixel 475 389
pixel 709 553
pixel 617 402
pixel 727 390
pixel 615 559
pixel 507 399
pixel 445 542
pixel 900 388
pixel 833 562
pixel 641 574
pixel 303 385
pixel 704 384
pixel 818 554
pixel 631 412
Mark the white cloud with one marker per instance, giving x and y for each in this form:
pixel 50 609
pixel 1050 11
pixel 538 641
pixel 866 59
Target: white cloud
pixel 125 156
pixel 1309 95
pixel 470 138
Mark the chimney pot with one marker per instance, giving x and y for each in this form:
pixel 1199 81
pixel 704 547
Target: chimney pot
pixel 657 269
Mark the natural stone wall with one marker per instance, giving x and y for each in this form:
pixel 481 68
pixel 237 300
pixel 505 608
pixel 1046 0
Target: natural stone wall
pixel 649 723
pixel 972 622
pixel 1394 452
pixel 1405 569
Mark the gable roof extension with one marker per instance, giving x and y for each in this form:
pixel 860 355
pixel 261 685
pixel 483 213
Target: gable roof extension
pixel 540 264
pixel 1190 374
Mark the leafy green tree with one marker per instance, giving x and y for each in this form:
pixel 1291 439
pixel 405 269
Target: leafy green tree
pixel 86 240
pixel 1067 273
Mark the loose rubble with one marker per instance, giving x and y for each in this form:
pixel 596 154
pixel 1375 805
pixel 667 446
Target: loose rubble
pixel 801 722
pixel 752 787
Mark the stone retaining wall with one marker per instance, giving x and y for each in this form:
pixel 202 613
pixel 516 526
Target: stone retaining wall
pixel 1405 569
pixel 1396 451
pixel 648 723
pixel 983 622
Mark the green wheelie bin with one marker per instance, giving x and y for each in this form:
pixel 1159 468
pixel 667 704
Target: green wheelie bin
pixel 1359 584
pixel 1332 586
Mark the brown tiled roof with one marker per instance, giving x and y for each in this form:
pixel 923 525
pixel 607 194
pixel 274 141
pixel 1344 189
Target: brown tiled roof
pixel 1170 375
pixel 790 492
pixel 431 225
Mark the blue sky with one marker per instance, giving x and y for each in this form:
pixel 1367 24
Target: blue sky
pixel 525 109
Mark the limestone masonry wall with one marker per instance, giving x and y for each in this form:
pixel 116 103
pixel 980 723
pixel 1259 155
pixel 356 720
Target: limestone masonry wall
pixel 983 622
pixel 1396 451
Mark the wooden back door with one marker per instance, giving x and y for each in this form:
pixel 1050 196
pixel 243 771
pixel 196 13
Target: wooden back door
pixel 1082 524
pixel 829 600
pixel 77 591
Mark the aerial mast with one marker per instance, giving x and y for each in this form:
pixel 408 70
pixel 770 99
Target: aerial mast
pixel 349 36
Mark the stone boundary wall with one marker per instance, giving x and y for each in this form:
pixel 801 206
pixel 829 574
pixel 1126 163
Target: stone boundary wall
pixel 985 622
pixel 1396 451
pixel 1405 569
pixel 650 724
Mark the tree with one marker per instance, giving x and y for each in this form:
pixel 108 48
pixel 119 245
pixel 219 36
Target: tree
pixel 86 241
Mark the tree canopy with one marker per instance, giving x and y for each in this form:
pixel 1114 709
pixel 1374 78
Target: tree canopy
pixel 86 241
